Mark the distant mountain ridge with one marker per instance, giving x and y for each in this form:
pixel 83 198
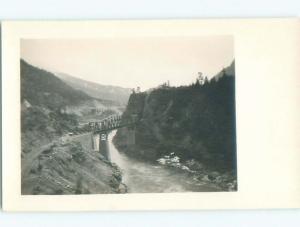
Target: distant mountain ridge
pixel 108 92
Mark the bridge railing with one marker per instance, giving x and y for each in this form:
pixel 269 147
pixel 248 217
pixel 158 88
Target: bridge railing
pixel 110 123
pixel 106 124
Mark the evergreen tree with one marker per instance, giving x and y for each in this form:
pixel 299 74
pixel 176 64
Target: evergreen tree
pixel 206 80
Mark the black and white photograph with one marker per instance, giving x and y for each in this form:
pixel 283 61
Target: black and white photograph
pixel 128 115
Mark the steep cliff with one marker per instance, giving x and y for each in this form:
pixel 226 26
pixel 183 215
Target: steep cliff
pixel 195 122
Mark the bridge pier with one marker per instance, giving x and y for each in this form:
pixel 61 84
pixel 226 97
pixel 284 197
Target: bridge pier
pixel 102 128
pixel 95 144
pixel 103 145
pixel 131 136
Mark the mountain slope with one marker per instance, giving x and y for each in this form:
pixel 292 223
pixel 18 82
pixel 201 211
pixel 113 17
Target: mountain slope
pixel 114 93
pixel 42 88
pixel 44 98
pixel 50 107
pixel 53 162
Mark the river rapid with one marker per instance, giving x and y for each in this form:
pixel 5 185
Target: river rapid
pixel 144 177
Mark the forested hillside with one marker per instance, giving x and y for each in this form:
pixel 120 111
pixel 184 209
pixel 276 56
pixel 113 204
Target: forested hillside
pixel 195 122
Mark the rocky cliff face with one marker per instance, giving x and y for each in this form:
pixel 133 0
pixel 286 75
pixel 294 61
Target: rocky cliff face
pixel 194 122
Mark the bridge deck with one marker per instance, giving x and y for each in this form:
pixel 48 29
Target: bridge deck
pixel 110 128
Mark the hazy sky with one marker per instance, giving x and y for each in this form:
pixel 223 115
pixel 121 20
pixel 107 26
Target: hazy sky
pixel 132 62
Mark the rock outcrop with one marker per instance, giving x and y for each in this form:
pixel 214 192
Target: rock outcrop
pixel 70 168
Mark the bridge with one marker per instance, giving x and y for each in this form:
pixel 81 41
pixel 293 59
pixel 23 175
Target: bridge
pixel 101 129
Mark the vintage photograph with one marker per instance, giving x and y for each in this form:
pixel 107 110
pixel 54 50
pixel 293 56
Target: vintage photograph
pixel 128 115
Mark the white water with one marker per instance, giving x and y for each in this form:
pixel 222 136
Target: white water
pixel 145 177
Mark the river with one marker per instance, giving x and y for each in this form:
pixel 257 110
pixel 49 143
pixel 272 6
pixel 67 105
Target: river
pixel 143 177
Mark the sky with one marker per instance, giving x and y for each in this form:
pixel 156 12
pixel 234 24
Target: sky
pixel 132 62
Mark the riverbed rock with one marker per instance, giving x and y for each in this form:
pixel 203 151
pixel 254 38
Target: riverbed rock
pixel 205 178
pixel 194 165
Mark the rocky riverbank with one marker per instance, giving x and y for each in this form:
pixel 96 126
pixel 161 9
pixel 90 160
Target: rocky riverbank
pixel 199 172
